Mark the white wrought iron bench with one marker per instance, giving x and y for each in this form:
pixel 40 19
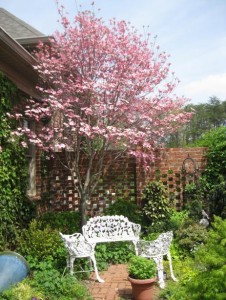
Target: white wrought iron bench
pixel 78 248
pixel 104 229
pixel 99 230
pixel 157 249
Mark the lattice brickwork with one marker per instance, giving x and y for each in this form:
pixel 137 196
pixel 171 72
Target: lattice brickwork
pixel 125 179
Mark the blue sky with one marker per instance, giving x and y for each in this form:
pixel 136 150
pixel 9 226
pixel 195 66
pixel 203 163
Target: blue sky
pixel 193 32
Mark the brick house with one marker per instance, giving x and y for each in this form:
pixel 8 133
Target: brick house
pixel 174 167
pixel 17 41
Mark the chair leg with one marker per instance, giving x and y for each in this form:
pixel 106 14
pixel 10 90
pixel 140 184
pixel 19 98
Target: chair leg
pixel 71 264
pixel 171 266
pixel 159 263
pixel 95 268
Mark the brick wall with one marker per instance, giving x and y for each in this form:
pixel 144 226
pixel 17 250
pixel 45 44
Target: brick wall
pixel 175 167
pixel 125 179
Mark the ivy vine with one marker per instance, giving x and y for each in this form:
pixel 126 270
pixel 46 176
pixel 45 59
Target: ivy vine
pixel 15 208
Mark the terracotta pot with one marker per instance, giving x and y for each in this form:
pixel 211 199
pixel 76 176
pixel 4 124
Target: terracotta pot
pixel 142 289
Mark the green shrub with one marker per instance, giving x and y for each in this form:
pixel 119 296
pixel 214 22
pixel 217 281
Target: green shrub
pixel 67 222
pixel 155 203
pixel 190 236
pixel 125 208
pixel 207 278
pixel 214 174
pixel 217 199
pixel 113 253
pixel 141 268
pixel 47 284
pixel 177 219
pixel 22 291
pixel 41 245
pixel 55 286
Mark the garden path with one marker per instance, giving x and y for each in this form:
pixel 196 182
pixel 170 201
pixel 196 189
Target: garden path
pixel 116 285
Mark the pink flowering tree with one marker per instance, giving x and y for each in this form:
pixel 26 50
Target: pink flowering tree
pixel 104 88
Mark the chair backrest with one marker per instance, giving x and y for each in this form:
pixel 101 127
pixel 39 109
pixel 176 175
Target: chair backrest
pixel 76 244
pixel 160 246
pixel 165 240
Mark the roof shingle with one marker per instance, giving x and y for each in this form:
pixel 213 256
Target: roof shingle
pixel 17 28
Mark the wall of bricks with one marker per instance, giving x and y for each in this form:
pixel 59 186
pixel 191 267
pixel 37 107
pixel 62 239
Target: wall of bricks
pixel 175 167
pixel 125 179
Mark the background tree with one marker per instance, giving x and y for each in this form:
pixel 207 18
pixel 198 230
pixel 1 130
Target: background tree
pixel 105 87
pixel 206 117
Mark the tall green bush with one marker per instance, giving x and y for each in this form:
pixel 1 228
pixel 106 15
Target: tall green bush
pixel 67 222
pixel 207 277
pixel 15 208
pixel 214 176
pixel 155 203
pixel 42 245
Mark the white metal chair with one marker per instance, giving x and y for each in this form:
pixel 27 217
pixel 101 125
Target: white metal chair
pixel 79 248
pixel 157 249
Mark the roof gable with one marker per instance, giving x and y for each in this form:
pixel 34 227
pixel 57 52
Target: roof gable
pixel 17 28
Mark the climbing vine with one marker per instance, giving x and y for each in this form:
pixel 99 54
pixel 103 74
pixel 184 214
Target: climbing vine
pixel 15 208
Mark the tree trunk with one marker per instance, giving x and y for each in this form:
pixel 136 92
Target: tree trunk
pixel 83 204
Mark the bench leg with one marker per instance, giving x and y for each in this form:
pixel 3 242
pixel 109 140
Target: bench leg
pixel 171 266
pixel 159 263
pixel 95 268
pixel 135 246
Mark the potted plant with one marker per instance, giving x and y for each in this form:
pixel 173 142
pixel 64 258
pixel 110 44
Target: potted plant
pixel 142 276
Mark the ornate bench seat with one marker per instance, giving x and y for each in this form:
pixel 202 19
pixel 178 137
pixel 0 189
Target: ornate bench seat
pixel 99 230
pixel 111 229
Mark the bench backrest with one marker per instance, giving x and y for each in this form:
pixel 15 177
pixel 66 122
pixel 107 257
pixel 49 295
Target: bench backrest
pixel 110 227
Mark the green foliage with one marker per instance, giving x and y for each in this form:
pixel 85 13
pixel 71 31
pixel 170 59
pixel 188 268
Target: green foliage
pixel 113 253
pixel 41 245
pixel 15 209
pixel 190 236
pixel 54 286
pixel 47 284
pixel 217 199
pixel 141 268
pixel 67 222
pixel 206 117
pixel 214 175
pixel 177 219
pixel 125 208
pixel 215 140
pixel 22 291
pixel 207 275
pixel 184 270
pixel 155 202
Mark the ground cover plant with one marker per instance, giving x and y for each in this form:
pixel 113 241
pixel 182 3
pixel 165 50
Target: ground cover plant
pixel 42 247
